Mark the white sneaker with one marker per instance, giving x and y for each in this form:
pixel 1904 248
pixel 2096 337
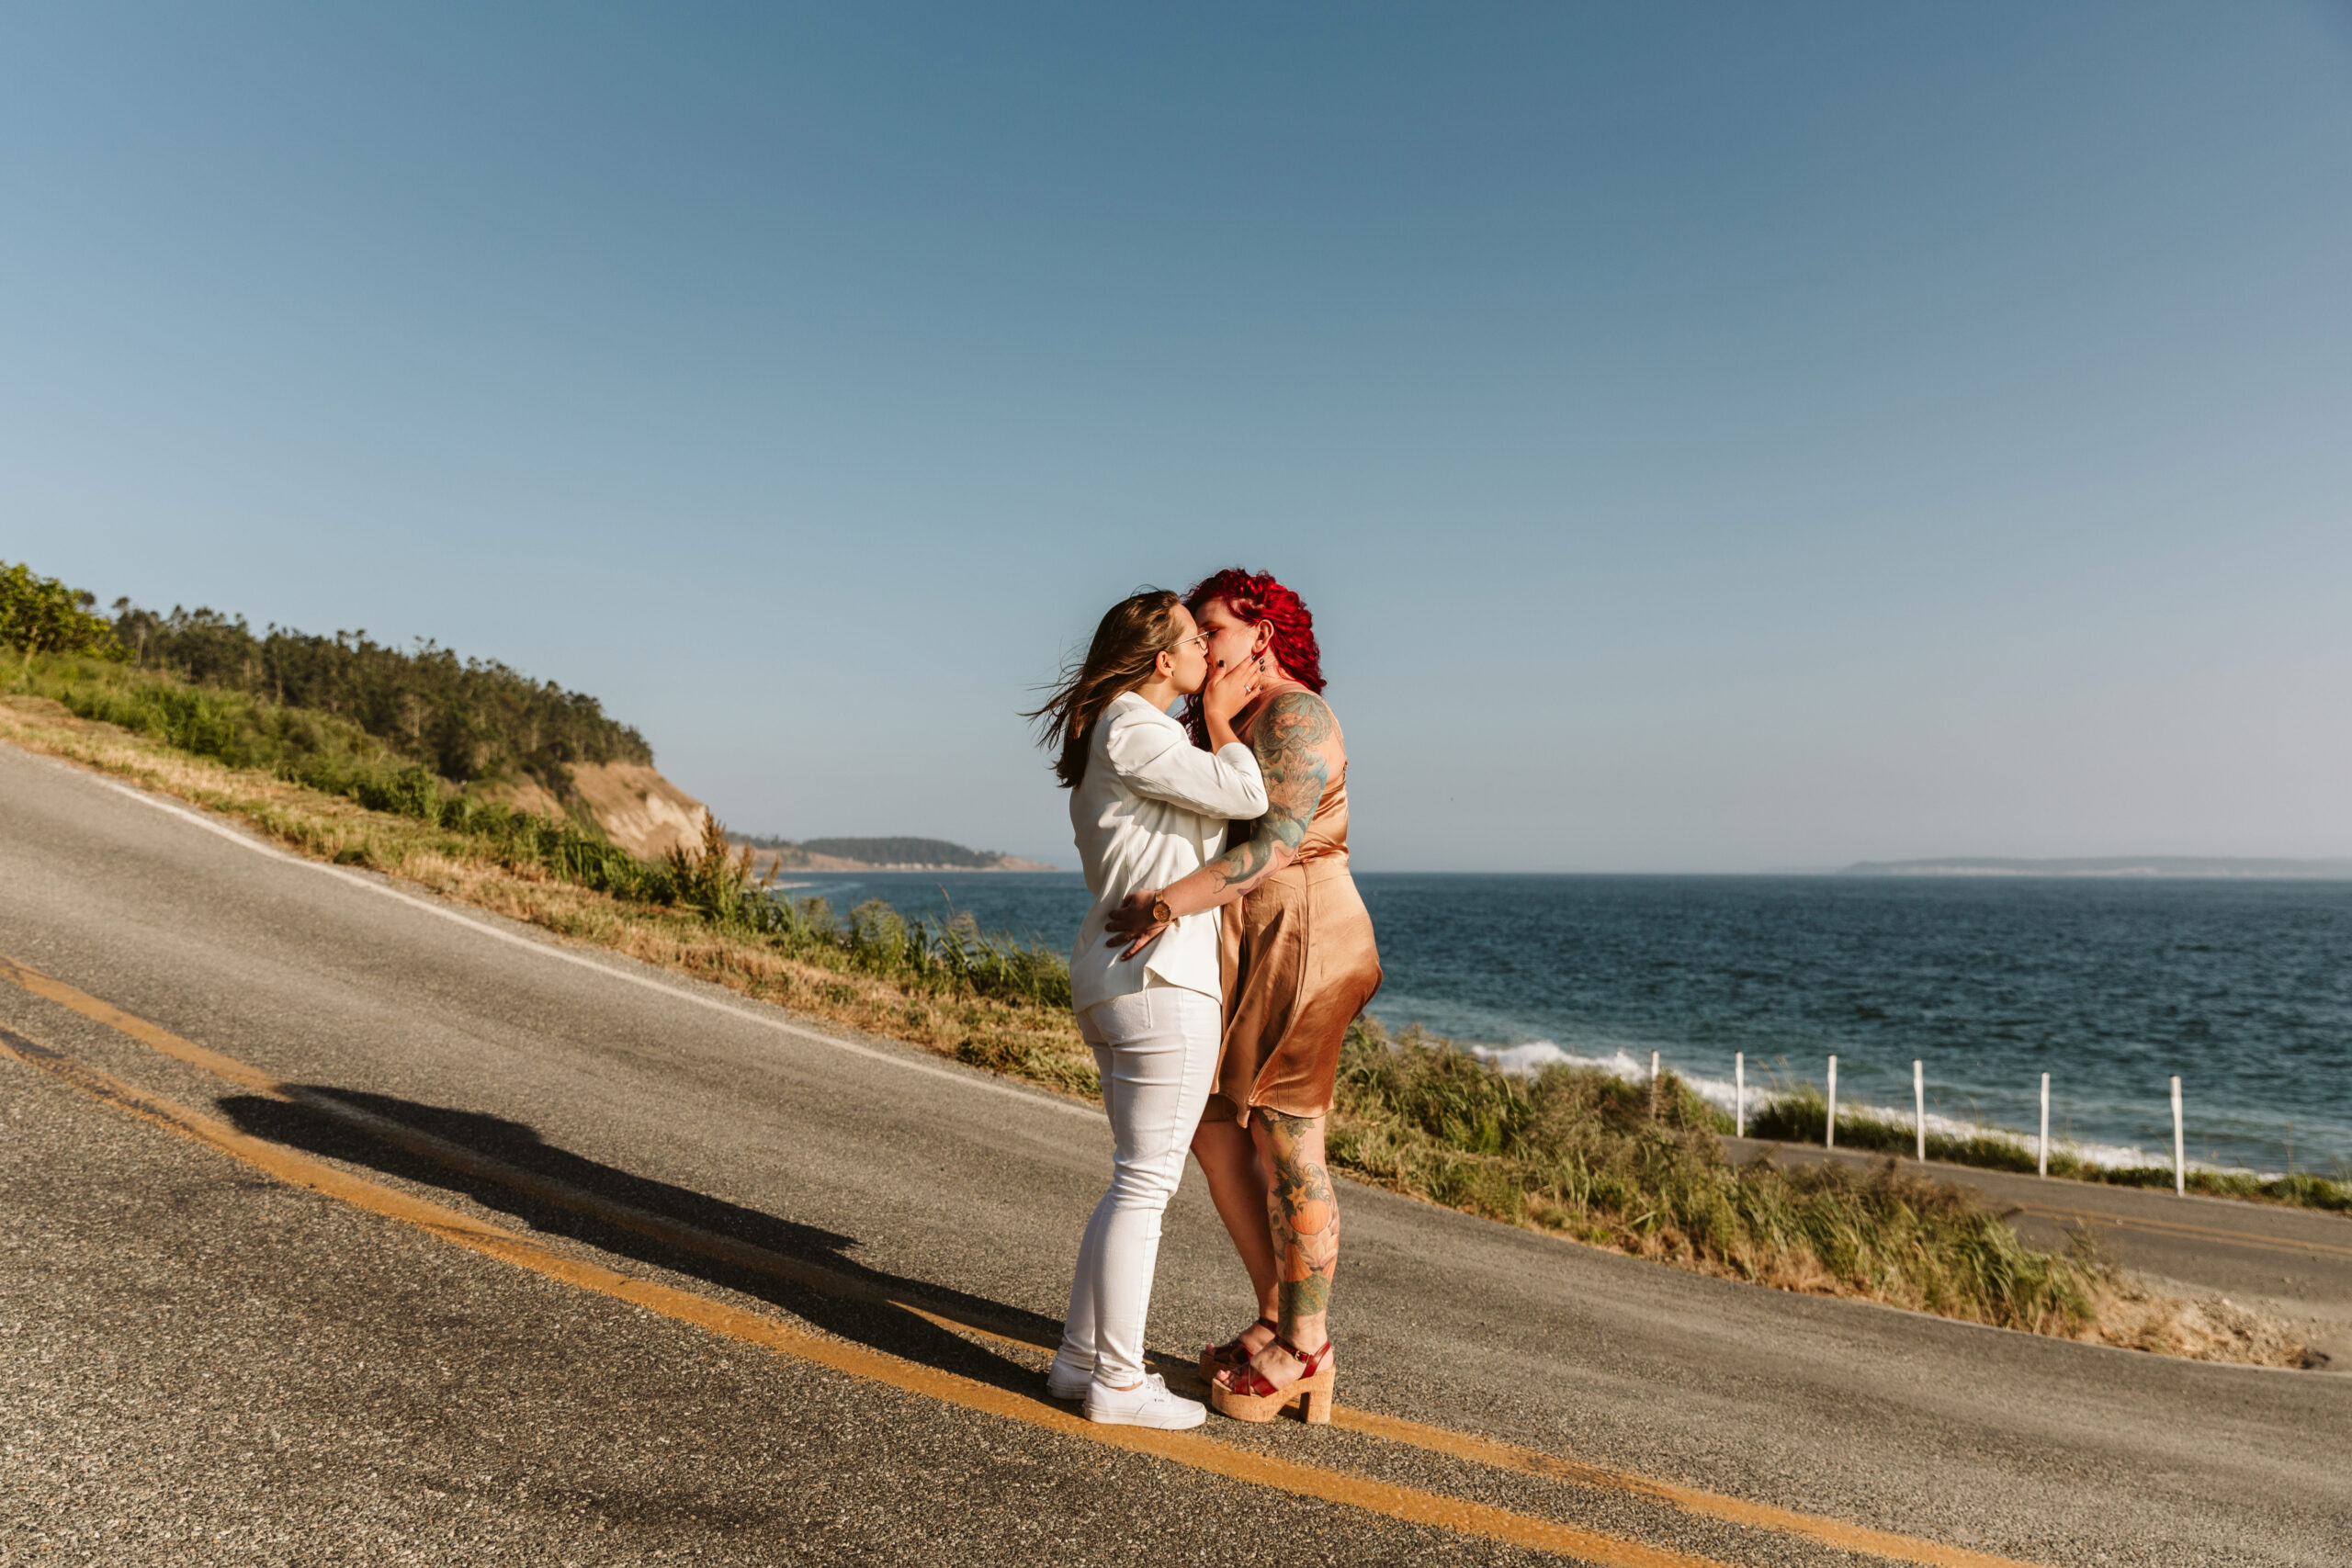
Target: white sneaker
pixel 1148 1403
pixel 1067 1380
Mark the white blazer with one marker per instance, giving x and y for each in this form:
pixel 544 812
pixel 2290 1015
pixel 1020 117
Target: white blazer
pixel 1151 809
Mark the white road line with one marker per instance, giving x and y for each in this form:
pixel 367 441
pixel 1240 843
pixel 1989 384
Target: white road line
pixel 748 1015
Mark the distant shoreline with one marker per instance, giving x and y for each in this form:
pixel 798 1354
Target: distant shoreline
pixel 905 852
pixel 2148 867
pixel 773 860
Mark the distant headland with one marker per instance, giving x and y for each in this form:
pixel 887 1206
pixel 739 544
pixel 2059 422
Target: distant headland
pixel 879 854
pixel 2205 866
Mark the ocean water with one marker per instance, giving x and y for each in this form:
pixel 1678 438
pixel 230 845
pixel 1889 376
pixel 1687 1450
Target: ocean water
pixel 2243 988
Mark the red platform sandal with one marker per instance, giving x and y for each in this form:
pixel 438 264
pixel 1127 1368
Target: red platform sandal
pixel 1244 1393
pixel 1232 1353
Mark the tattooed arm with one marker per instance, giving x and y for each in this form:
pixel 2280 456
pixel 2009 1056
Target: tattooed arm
pixel 1296 743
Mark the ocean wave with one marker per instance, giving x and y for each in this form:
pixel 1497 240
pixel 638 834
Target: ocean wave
pixel 1534 1058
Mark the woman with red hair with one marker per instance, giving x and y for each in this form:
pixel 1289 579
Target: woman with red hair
pixel 1298 963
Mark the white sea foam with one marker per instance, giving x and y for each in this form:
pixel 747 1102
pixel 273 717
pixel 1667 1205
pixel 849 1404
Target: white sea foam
pixel 1531 1058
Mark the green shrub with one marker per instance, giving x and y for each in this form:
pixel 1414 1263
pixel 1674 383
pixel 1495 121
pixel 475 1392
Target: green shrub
pixel 40 614
pixel 879 938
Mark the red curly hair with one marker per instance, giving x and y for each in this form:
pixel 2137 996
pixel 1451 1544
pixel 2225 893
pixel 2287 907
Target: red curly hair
pixel 1258 599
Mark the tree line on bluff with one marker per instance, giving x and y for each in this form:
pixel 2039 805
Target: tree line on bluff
pixel 467 719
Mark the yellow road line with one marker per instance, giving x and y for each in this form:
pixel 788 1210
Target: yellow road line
pixel 1836 1533
pixel 151 1035
pixel 1403 1503
pixel 2182 1230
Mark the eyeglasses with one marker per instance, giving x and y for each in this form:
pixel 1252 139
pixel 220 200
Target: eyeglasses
pixel 1200 637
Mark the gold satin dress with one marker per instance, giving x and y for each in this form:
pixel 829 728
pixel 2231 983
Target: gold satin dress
pixel 1299 965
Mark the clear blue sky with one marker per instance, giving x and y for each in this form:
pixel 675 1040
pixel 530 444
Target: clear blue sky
pixel 1710 438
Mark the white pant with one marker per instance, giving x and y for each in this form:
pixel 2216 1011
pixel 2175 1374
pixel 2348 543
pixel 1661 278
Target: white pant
pixel 1157 1049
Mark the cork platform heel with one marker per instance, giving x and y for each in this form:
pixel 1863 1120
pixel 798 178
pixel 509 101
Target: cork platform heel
pixel 1244 1394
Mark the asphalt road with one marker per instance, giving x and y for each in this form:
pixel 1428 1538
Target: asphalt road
pixel 237 1326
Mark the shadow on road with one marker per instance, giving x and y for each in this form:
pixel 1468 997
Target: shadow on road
pixel 878 1323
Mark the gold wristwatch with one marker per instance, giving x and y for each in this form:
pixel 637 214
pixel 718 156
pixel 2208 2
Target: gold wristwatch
pixel 1161 914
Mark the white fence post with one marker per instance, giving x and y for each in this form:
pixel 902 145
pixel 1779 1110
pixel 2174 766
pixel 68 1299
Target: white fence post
pixel 2042 1159
pixel 1739 1094
pixel 2179 1149
pixel 1919 1106
pixel 1829 1131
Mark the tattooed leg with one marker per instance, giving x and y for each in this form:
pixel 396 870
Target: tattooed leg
pixel 1304 1215
pixel 1237 1185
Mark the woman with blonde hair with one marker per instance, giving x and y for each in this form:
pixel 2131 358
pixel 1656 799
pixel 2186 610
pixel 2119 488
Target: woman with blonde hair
pixel 1148 808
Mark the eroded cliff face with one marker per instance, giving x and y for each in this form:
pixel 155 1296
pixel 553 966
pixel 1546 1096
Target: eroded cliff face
pixel 639 809
pixel 636 808
pixel 525 793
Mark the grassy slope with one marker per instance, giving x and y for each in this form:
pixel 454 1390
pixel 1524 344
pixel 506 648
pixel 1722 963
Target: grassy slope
pixel 1578 1154
pixel 554 875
